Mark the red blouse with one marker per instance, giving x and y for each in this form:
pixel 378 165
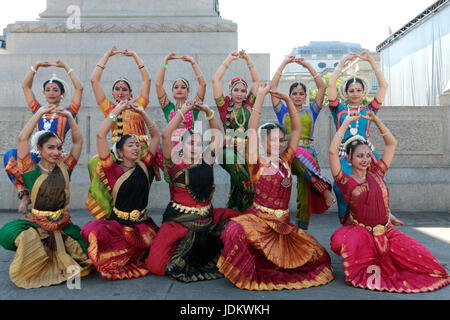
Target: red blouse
pixel 369 201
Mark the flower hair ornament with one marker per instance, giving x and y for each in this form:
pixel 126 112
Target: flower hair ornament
pixel 116 154
pixel 35 138
pixel 122 79
pixel 186 83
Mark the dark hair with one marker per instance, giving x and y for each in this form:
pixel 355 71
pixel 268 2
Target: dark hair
pixel 351 147
pixel 351 81
pixel 186 83
pixel 273 126
pixel 122 140
pixel 121 80
pixel 188 133
pixel 43 138
pixel 58 83
pixel 295 85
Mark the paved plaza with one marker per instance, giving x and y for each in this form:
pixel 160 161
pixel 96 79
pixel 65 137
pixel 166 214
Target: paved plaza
pixel 431 229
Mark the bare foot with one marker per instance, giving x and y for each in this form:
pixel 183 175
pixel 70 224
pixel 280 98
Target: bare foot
pixel 395 221
pixel 330 199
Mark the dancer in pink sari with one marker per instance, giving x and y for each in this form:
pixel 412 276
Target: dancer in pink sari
pixel 375 255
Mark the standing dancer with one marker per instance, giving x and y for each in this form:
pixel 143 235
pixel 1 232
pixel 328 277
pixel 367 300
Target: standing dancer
pixel 235 111
pixel 262 249
pixel 180 92
pixel 188 243
pixel 375 255
pixel 99 201
pixel 55 92
pixel 46 242
pixel 313 189
pixel 354 89
pixel 119 244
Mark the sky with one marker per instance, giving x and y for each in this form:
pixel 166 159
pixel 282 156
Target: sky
pixel 276 27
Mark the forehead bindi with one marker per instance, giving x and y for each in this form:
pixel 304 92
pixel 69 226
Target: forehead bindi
pixel 355 86
pixel 121 86
pixel 52 86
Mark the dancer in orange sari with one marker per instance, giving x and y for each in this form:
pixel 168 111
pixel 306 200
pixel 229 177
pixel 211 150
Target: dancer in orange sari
pixel 119 244
pixel 262 249
pixel 375 254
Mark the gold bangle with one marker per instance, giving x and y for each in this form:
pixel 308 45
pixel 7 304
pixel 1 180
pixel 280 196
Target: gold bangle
pixel 140 67
pixel 250 66
pixel 279 73
pixel 226 65
pixel 256 110
pixel 316 76
pixel 181 113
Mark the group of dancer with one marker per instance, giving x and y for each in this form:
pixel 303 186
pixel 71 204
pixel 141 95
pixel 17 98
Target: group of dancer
pixel 252 241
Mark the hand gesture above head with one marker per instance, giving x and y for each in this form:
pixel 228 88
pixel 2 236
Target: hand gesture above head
pixel 370 115
pixel 172 56
pixel 279 95
pixel 113 51
pixel 50 108
pixel 353 115
pixel 187 106
pixel 187 59
pixel 201 106
pixel 234 56
pixel 350 57
pixel 44 64
pixel 60 64
pixel 365 56
pixel 128 53
pixel 264 88
pixel 302 62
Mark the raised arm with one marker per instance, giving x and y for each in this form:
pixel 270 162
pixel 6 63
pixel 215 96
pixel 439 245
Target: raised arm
pixel 389 139
pixel 77 138
pixel 75 81
pixel 253 72
pixel 335 163
pixel 146 81
pixel 201 80
pixel 27 83
pixel 276 78
pixel 382 84
pixel 332 90
pixel 152 129
pixel 23 147
pixel 98 71
pixel 253 122
pixel 217 137
pixel 217 88
pixel 160 92
pixel 296 132
pixel 167 145
pixel 320 84
pixel 102 143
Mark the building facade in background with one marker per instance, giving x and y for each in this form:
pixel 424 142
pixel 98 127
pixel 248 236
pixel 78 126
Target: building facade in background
pixel 324 56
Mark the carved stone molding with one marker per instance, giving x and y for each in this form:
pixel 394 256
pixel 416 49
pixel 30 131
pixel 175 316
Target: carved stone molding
pixel 122 27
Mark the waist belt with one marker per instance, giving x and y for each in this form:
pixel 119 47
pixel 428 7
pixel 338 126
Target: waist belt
pixel 200 210
pixel 52 214
pixel 135 215
pixel 377 230
pixel 276 212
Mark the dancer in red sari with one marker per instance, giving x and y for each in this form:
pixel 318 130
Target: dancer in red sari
pixel 375 254
pixel 262 249
pixel 188 243
pixel 119 244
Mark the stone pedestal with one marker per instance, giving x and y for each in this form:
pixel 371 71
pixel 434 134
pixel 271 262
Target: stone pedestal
pixel 152 28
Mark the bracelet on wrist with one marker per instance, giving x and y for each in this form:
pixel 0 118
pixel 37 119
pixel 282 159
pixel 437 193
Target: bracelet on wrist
pixel 70 71
pixel 386 133
pixel 164 65
pixel 210 116
pixel 226 65
pixel 340 135
pixel 316 75
pixel 33 69
pixel 100 66
pixel 141 66
pixel 112 117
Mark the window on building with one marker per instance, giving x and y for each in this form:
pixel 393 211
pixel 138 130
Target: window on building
pixel 322 65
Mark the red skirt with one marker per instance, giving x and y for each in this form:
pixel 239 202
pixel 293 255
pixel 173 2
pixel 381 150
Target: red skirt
pixel 118 251
pixel 262 252
pixel 392 261
pixel 170 240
